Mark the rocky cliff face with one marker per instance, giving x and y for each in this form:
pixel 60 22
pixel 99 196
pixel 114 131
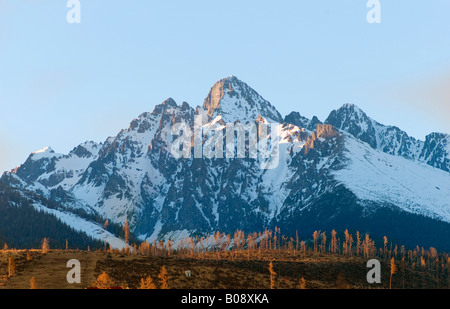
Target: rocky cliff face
pixel 436 151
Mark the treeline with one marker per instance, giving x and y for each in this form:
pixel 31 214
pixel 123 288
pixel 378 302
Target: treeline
pixel 345 244
pixel 250 246
pixel 24 227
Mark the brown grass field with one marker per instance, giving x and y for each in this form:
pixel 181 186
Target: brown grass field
pixel 220 270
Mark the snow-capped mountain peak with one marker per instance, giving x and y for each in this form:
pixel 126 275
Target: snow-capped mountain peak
pixel 235 100
pixel 352 119
pixel 298 120
pixel 46 152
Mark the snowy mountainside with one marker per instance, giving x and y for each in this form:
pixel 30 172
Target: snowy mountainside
pixel 412 186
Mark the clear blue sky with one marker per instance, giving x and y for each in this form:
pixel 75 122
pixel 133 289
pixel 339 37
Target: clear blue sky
pixel 62 84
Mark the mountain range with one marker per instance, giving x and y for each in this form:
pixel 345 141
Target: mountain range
pixel 346 172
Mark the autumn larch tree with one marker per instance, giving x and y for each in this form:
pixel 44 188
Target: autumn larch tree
pixel 358 242
pixel 347 242
pixel 393 268
pixel 315 237
pixel 33 283
pixel 303 247
pixel 164 278
pixel 422 262
pixel 147 284
pixel 104 281
pixel 323 245
pixel 45 246
pixel 105 226
pixel 126 229
pixel 302 284
pixel 273 274
pixel 333 241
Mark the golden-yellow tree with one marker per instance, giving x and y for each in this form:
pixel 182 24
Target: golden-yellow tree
pixel 347 242
pixel 422 262
pixel 315 238
pixel 273 274
pixel 393 269
pixel 350 244
pixel 45 246
pixel 323 245
pixel 33 285
pixel 105 227
pixel 333 243
pixel 104 281
pixel 303 247
pixel 302 284
pixel 126 230
pixel 164 278
pixel 147 284
pixel 358 243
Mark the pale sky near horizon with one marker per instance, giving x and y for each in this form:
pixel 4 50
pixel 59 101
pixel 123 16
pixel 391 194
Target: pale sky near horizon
pixel 62 84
